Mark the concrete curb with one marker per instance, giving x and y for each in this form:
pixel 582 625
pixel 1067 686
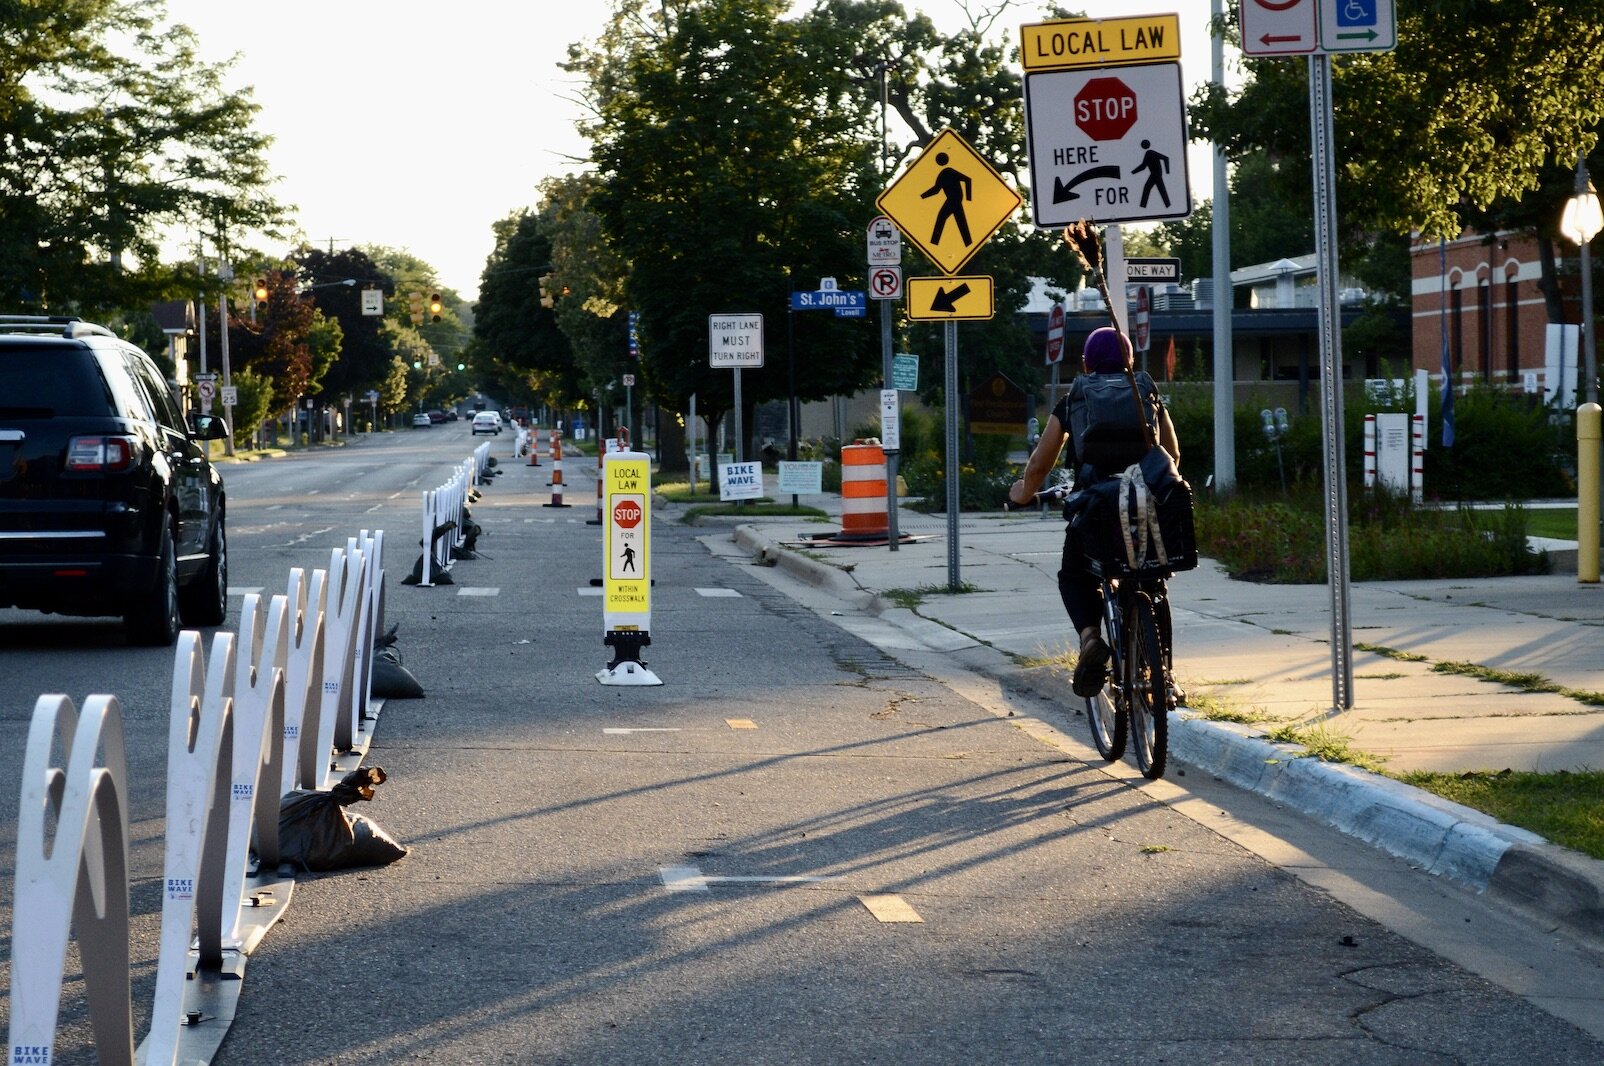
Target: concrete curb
pixel 1510 865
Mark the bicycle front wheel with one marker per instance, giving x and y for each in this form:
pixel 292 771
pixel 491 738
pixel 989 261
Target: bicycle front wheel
pixel 1146 687
pixel 1106 713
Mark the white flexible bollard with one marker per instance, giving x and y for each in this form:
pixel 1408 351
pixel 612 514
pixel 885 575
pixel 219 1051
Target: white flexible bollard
pixel 303 682
pixel 257 766
pixel 339 656
pixel 335 642
pixel 373 601
pixel 79 882
pixel 198 775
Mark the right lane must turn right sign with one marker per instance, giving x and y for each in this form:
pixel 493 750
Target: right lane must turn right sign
pixel 1107 144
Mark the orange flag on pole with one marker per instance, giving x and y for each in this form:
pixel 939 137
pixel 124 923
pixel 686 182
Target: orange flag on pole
pixel 1169 360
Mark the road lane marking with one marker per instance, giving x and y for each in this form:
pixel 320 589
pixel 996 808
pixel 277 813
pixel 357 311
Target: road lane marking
pixel 590 591
pixel 691 879
pixel 740 723
pixel 889 908
pixel 718 593
pixel 620 730
pixel 479 592
pixel 243 590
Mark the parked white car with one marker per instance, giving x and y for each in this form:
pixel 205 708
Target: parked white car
pixel 486 422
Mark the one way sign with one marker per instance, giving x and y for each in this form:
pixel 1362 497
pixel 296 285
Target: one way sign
pixel 951 299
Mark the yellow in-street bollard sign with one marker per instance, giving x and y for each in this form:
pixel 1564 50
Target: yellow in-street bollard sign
pixel 626 516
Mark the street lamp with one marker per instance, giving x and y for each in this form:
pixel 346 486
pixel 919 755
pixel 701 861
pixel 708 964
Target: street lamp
pixel 1581 222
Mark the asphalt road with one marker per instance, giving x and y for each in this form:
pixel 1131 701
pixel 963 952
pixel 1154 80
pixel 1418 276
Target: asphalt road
pixel 685 874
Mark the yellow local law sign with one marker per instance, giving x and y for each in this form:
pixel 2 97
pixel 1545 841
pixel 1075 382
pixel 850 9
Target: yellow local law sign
pixel 949 201
pixel 1067 43
pixel 972 296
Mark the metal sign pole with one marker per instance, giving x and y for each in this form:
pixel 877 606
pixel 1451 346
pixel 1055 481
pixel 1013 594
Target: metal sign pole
pixel 740 452
pixel 1325 221
pixel 953 582
pixel 892 456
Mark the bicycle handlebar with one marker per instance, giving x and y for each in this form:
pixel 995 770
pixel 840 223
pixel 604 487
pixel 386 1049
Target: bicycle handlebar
pixel 1051 494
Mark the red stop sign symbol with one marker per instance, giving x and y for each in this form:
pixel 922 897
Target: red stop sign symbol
pixel 626 513
pixel 1105 108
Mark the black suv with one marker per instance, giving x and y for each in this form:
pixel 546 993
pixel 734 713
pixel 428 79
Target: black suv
pixel 109 504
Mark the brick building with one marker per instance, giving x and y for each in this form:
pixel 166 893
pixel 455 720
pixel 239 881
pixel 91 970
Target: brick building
pixel 1482 293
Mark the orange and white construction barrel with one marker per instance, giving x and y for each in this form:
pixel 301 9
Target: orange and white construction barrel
pixel 863 493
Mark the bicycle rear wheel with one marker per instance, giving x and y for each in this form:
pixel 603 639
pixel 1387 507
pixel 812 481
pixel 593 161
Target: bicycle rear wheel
pixel 1146 687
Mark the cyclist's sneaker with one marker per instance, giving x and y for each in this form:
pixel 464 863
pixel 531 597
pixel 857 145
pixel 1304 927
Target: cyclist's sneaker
pixel 1091 669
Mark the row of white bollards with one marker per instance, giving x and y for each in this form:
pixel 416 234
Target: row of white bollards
pixel 277 707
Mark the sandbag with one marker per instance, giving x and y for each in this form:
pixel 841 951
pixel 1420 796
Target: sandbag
pixel 316 832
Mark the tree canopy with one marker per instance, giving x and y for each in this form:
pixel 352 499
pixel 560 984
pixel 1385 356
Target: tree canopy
pixel 112 130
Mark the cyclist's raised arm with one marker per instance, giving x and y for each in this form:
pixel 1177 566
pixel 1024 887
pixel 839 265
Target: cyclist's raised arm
pixel 1041 462
pixel 1166 435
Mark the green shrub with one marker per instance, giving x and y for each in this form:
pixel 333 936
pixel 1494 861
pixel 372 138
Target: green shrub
pixel 1507 446
pixel 1283 541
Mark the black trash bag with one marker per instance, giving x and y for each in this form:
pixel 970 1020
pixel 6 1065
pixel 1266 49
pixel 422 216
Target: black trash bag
pixel 316 832
pixel 391 680
pixel 437 576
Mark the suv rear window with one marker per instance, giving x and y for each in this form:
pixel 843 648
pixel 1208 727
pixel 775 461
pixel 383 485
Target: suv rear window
pixel 49 381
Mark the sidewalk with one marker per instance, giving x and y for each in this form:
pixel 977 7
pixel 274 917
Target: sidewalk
pixel 1267 647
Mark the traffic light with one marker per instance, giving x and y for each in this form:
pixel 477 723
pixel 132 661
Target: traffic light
pixel 546 297
pixel 260 293
pixel 435 307
pixel 415 301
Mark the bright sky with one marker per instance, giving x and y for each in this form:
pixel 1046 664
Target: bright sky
pixel 417 125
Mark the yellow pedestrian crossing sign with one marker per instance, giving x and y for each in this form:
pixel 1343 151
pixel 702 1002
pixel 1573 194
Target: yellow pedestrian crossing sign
pixel 949 201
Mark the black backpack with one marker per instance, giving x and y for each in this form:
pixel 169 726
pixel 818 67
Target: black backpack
pixel 1102 421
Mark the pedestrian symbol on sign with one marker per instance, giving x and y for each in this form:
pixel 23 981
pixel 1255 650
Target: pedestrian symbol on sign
pixel 955 187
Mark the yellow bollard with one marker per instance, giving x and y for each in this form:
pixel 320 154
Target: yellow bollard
pixel 1587 490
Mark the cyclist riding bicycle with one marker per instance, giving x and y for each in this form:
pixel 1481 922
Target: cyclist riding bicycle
pixel 1098 419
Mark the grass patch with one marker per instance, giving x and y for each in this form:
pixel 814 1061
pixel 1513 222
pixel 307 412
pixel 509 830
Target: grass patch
pixel 1566 808
pixel 1390 653
pixel 1524 682
pixel 1323 743
pixel 1557 523
pixel 760 508
pixel 912 598
pixel 1219 709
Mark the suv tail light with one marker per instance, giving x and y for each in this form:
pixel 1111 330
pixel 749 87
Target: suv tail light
pixel 100 454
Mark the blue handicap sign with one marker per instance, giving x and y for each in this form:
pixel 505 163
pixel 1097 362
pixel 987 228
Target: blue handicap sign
pixel 1356 12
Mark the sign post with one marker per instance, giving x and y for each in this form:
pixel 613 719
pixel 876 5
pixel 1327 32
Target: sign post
pixel 735 341
pixel 885 285
pixel 949 202
pixel 627 568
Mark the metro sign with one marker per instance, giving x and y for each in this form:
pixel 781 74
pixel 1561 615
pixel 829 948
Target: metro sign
pixel 1105 108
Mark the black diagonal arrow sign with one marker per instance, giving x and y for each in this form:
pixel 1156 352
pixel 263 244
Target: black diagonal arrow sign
pixel 943 299
pixel 947 302
pixel 1064 192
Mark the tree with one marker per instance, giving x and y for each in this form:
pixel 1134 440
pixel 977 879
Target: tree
pixel 114 131
pixel 290 344
pixel 517 348
pixel 363 361
pixel 733 167
pixel 1463 115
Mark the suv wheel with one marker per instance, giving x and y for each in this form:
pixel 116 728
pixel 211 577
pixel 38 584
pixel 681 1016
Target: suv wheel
pixel 204 602
pixel 153 622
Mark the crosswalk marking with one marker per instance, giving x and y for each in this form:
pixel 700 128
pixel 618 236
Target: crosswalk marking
pixel 691 879
pixel 718 593
pixel 479 592
pixel 889 907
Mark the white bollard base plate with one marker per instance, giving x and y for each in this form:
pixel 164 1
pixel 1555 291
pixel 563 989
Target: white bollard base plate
pixel 627 674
